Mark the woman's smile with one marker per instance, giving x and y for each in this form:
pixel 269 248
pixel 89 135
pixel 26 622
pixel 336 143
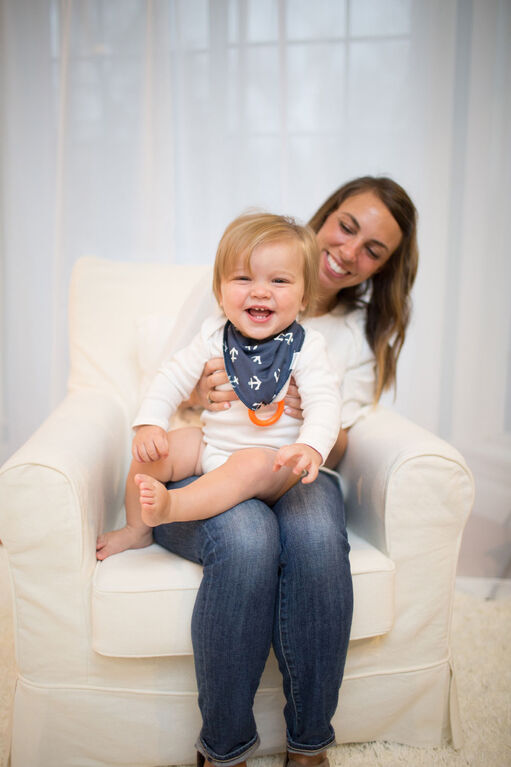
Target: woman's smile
pixel 334 265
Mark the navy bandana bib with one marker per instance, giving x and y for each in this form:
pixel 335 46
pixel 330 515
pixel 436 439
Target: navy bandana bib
pixel 258 370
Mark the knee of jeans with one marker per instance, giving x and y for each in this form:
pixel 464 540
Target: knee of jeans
pixel 317 544
pixel 246 538
pixel 247 530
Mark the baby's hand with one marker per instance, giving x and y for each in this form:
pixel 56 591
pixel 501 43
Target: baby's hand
pixel 150 443
pixel 303 458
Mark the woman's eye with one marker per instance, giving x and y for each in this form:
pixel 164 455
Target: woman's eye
pixel 373 254
pixel 345 228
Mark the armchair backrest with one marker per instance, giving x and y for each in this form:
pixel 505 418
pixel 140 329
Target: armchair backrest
pixel 109 302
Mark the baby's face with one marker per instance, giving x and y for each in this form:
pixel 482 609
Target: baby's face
pixel 264 297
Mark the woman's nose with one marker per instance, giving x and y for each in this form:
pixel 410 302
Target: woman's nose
pixel 349 250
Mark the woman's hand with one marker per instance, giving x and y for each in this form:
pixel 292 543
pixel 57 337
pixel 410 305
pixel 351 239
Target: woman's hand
pixel 293 401
pixel 205 394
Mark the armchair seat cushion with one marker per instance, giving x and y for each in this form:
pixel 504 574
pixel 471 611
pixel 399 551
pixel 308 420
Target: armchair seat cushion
pixel 142 600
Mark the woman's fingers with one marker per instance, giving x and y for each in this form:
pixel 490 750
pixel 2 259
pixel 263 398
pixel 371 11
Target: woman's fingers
pixel 220 400
pixel 294 412
pixel 292 389
pixel 293 401
pixel 217 378
pixel 212 365
pixel 214 376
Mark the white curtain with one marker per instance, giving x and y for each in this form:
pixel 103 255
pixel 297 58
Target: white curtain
pixel 136 129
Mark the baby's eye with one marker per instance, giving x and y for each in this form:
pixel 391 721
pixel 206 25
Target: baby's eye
pixel 280 280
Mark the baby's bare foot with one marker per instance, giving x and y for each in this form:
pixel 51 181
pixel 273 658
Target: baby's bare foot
pixel 120 540
pixel 154 501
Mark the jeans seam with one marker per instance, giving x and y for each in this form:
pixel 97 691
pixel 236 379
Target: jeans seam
pixel 285 652
pixel 205 695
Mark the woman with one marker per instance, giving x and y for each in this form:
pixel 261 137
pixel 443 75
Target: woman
pixel 281 575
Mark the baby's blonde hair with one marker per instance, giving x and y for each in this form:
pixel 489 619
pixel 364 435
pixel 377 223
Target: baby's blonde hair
pixel 251 229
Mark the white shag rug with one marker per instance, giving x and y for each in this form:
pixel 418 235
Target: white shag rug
pixel 482 657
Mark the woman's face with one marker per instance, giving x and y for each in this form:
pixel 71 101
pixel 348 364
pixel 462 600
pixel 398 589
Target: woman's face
pixel 355 242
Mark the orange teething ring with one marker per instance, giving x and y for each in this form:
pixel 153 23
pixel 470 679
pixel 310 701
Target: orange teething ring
pixel 267 421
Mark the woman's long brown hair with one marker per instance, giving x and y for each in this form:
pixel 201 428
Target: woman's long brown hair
pixel 386 295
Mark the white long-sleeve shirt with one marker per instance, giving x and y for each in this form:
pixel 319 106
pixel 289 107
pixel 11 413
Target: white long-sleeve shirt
pixel 231 429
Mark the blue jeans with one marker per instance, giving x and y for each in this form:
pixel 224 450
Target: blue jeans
pixel 276 575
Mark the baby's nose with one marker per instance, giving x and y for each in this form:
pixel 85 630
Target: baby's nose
pixel 260 289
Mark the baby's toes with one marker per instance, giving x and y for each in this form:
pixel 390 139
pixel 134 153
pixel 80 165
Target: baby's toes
pixel 142 480
pixel 146 484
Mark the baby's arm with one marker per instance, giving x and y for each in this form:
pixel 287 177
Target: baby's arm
pixel 320 396
pixel 176 379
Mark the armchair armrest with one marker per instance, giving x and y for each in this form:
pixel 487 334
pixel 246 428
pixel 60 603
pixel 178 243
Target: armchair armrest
pixel 409 493
pixel 399 479
pixel 56 493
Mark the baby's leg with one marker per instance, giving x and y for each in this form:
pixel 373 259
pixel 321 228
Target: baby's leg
pixel 183 460
pixel 246 474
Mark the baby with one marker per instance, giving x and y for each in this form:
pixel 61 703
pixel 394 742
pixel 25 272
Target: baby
pixel 265 275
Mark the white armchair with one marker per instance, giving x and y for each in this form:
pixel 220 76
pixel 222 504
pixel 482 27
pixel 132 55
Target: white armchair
pixel 104 656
